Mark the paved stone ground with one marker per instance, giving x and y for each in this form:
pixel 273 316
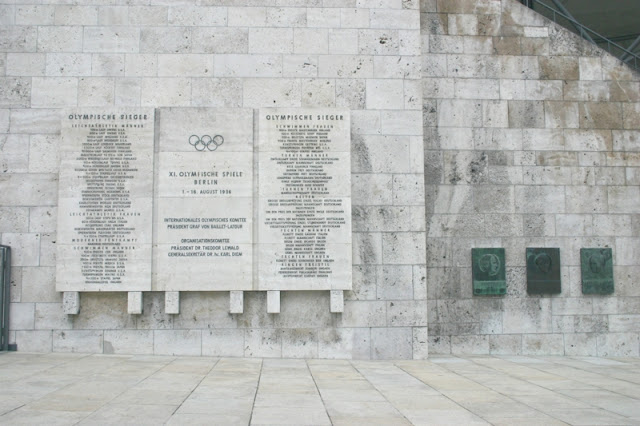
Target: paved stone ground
pixel 111 389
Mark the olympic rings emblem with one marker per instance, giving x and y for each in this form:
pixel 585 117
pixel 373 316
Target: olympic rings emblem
pixel 206 142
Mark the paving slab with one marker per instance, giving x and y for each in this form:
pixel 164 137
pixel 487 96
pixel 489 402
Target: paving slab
pixel 84 389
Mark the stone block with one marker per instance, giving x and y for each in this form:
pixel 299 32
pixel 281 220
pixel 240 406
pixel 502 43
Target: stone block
pixel 18 38
pixel 177 342
pixel 24 248
pixel 367 248
pixel 411 313
pixel 600 115
pixel 382 154
pixel 128 92
pixel 378 42
pixel 223 342
pixel 270 40
pixel 384 94
pixel 217 92
pixel 372 189
pixel 185 65
pixel 459 113
pixel 345 66
pixel 21 316
pixel 96 92
pixel 580 344
pixel 165 40
pixel 172 302
pixel 130 342
pixel 403 248
pixel 134 304
pixel 286 17
pixel 618 344
pixel 263 343
pixel 318 93
pixel 236 302
pixel 623 199
pixel 323 18
pixel 71 302
pixel 25 64
pixel 34 340
pixel 589 91
pixel 361 313
pixel 38 285
pixel 113 15
pixel 526 114
pixel 148 15
pixel 540 199
pixel 543 90
pixel 83 341
pixel 194 16
pixel 336 301
pixel 246 16
pixel 349 343
pixel 526 316
pixel 274 92
pixel 505 344
pixel 54 92
pixel 559 68
pixel 590 68
pixel 573 225
pixel 392 343
pixel 467 88
pixel 231 41
pixel 165 92
pixel 273 302
pixel 299 343
pixel 118 40
pixel 468 344
pixel 543 344
pixel 76 15
pixel 395 282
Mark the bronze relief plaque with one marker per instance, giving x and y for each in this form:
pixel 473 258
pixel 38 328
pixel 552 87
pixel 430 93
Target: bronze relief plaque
pixel 596 265
pixel 489 276
pixel 543 270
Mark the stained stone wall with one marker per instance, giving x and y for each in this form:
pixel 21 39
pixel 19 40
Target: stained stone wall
pixel 362 55
pixel 531 140
pixel 530 137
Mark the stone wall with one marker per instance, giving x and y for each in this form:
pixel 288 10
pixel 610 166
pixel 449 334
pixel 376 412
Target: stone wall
pixel 531 140
pixel 363 55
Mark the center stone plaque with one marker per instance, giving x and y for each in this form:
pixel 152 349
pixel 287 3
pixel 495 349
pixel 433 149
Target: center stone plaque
pixel 304 199
pixel 204 200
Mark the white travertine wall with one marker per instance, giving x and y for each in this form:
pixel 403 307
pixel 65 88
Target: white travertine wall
pixel 363 55
pixel 530 135
pixel 532 139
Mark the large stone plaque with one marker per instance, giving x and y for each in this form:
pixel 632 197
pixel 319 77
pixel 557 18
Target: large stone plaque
pixel 105 200
pixel 304 199
pixel 488 269
pixel 543 270
pixel 597 270
pixel 204 200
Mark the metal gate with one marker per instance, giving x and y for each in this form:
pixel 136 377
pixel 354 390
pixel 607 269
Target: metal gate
pixel 5 284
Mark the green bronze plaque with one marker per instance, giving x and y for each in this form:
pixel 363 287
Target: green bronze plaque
pixel 597 270
pixel 543 270
pixel 489 277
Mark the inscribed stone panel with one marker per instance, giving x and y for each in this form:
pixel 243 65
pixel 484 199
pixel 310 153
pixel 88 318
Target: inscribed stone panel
pixel 304 199
pixel 204 200
pixel 105 200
